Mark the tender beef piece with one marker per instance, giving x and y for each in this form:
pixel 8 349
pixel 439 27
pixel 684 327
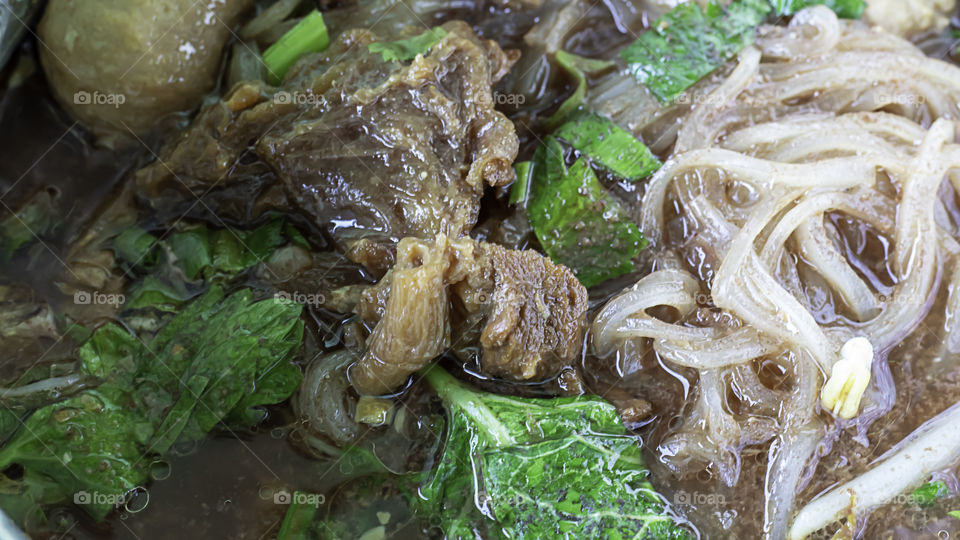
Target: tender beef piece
pixel 525 313
pixel 371 150
pixel 119 65
pixel 531 311
pixel 208 152
pixel 416 323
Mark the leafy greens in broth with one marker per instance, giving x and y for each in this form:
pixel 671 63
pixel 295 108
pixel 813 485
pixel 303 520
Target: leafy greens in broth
pixel 520 269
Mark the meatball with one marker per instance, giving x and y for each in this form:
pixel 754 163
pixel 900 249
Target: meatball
pixel 121 65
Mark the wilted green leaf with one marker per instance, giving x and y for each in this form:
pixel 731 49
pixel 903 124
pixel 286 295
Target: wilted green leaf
pixel 218 358
pixel 580 224
pixel 688 43
pixel 37 218
pixel 926 495
pixel 546 468
pixel 578 67
pixel 136 246
pixel 155 293
pixel 192 249
pixel 609 145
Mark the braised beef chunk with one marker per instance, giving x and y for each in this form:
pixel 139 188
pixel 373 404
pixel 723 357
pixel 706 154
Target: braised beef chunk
pixel 534 312
pixel 371 149
pixel 415 323
pixel 206 154
pixel 525 313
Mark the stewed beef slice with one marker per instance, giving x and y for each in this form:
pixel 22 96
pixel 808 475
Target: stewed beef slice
pixel 524 313
pixel 373 150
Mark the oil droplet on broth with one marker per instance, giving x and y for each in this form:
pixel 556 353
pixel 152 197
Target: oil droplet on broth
pixel 160 470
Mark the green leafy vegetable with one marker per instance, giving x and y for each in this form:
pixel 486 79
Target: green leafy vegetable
pixel 37 218
pixel 229 251
pixel 111 353
pixel 926 495
pixel 275 380
pixel 309 35
pixel 520 191
pixel 235 251
pixel 215 361
pixel 192 249
pixel 136 246
pixel 295 236
pixel 544 468
pixel 198 252
pixel 9 421
pixel 688 43
pixel 152 292
pixel 539 468
pixel 408 49
pixel 610 145
pixel 239 344
pixel 849 9
pixel 577 67
pixel 579 224
pixel 24 500
pixel 954 514
pixel 89 443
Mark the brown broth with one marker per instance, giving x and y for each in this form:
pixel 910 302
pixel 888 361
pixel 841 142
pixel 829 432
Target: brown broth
pixel 221 488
